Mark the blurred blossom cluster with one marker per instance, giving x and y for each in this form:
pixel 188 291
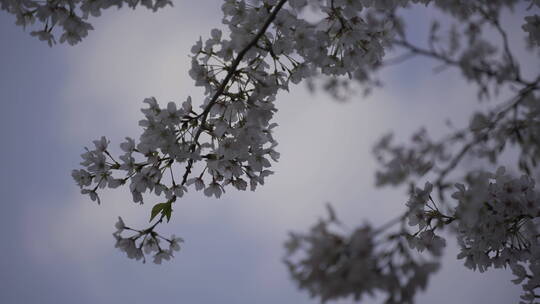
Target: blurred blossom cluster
pixel 69 15
pixel 498 226
pixel 332 264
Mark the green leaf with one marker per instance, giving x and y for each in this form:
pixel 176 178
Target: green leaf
pixel 167 212
pixel 157 209
pixel 164 208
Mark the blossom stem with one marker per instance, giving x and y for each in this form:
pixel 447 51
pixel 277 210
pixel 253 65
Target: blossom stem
pixel 515 101
pixel 445 59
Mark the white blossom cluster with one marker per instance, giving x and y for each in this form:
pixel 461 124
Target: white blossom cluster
pixel 145 242
pixel 229 141
pixel 495 220
pixel 498 225
pixel 70 15
pixel 331 265
pixel 424 213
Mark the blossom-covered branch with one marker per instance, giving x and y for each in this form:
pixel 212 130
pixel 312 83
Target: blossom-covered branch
pixel 331 263
pixel 495 216
pixel 69 15
pixel 231 138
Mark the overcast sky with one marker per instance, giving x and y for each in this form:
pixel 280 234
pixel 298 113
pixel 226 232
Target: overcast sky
pixel 57 246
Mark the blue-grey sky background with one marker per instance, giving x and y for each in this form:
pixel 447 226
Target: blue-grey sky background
pixel 56 245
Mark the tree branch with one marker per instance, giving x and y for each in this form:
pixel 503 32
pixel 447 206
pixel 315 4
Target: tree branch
pixel 231 71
